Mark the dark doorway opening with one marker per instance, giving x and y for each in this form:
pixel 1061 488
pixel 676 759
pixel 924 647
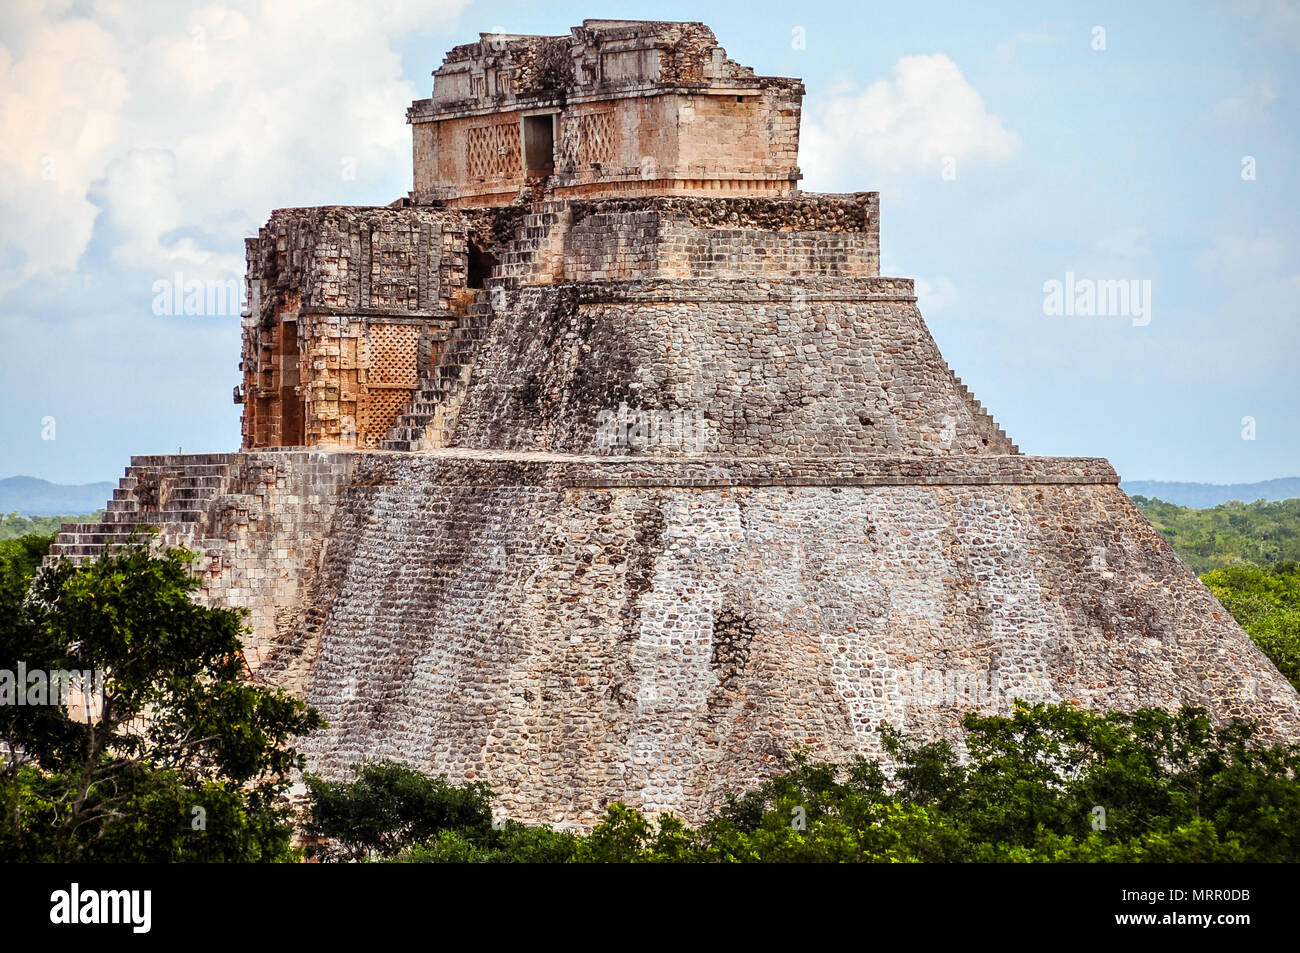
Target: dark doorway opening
pixel 480 265
pixel 539 145
pixel 292 412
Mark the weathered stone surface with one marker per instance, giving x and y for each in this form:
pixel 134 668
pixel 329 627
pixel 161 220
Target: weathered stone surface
pixel 662 643
pixel 617 107
pixel 578 629
pixel 754 367
pixel 345 305
pixel 625 496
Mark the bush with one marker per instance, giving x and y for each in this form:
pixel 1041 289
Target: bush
pixel 1046 783
pixel 1266 603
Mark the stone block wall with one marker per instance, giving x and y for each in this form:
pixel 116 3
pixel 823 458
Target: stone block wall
pixel 663 643
pixel 633 245
pixel 743 141
pixel 351 308
pixel 615 246
pixel 579 630
pixel 343 304
pixel 735 253
pixel 751 367
pixel 686 237
pixel 804 212
pixel 757 134
pixel 636 108
pixel 627 138
pixel 260 523
pixel 356 258
pixel 261 542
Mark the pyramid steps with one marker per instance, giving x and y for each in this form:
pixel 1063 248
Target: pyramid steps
pixel 429 420
pixel 534 256
pixel 998 440
pixel 169 492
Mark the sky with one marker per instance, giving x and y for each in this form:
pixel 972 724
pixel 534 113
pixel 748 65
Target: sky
pixel 1023 152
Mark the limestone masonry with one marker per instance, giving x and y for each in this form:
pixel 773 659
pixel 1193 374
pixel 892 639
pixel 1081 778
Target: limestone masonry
pixel 607 465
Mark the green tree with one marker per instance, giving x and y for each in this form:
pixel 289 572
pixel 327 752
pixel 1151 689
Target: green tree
pixel 1265 601
pixel 1044 783
pixel 1231 534
pixel 13 526
pixel 389 811
pixel 185 759
pixel 626 836
pixel 390 808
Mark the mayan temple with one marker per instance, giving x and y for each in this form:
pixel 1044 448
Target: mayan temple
pixel 606 465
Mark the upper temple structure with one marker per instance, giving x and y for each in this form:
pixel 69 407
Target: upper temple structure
pixel 606 465
pixel 617 108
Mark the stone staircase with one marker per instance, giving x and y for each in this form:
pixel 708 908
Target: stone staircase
pixel 169 492
pixel 998 441
pixel 429 420
pixel 535 256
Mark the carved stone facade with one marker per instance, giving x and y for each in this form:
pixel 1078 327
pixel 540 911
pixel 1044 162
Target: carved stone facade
pixel 615 108
pixel 345 306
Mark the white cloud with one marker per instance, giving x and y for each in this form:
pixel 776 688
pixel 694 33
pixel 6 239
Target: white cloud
pixel 928 113
pixel 935 295
pixel 1280 18
pixel 1130 242
pixel 60 103
pixel 165 119
pixel 1242 258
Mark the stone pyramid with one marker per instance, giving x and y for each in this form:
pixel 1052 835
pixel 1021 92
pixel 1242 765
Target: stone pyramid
pixel 606 465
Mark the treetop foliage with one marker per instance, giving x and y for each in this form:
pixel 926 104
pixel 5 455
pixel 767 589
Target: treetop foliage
pixel 1231 534
pixel 180 734
pixel 1045 783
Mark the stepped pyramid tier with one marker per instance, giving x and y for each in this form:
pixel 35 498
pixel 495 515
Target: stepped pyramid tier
pixel 596 487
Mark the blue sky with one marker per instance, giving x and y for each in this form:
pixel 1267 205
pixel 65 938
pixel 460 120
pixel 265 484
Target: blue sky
pixel 141 140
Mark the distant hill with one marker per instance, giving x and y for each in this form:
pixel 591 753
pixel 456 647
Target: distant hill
pixel 29 496
pixel 11 526
pixel 1231 534
pixel 1203 495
